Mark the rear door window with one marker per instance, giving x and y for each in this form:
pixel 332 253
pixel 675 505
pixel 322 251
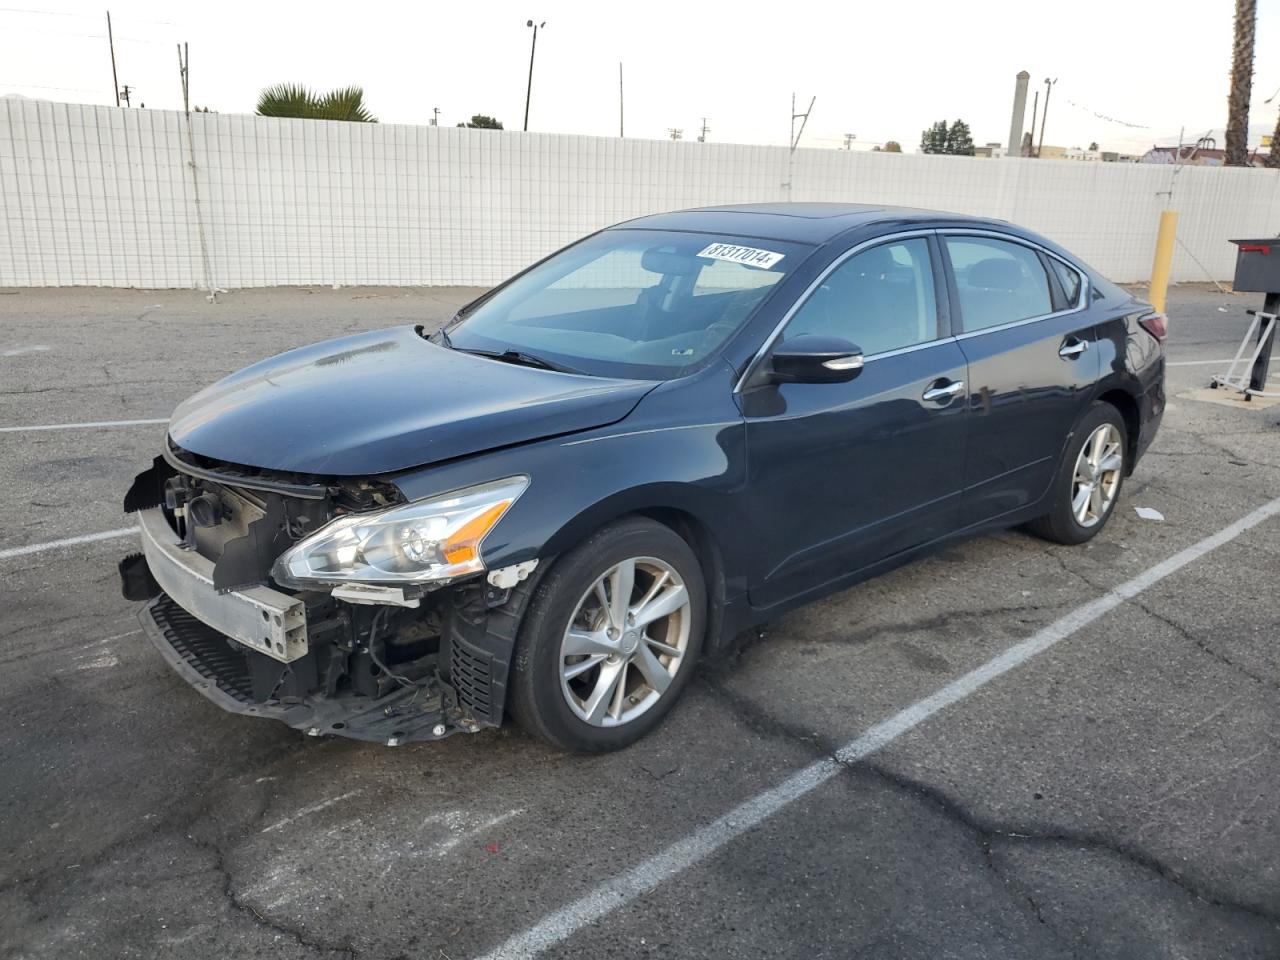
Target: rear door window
pixel 998 281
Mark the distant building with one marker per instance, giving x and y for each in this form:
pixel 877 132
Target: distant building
pixel 1050 152
pixel 1076 153
pixel 1196 156
pixel 991 150
pixel 1111 156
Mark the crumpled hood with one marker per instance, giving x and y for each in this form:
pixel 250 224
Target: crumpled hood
pixel 386 401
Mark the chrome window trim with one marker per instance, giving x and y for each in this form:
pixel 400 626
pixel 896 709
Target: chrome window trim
pixel 1082 298
pixel 809 291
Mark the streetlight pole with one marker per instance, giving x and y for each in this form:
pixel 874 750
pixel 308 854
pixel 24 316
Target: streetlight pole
pixel 532 50
pixel 1048 89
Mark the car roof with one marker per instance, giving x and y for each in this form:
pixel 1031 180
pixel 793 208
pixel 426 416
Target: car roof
pixel 813 223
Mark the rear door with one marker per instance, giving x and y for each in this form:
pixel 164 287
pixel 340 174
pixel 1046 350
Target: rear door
pixel 842 475
pixel 1026 331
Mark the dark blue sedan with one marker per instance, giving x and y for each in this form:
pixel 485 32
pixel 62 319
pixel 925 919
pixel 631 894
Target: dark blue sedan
pixel 609 466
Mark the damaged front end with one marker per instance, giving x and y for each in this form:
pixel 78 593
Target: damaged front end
pixel 330 604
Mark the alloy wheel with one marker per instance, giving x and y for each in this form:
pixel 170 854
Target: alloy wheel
pixel 625 642
pixel 1097 475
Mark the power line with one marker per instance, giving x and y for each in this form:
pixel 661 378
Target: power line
pixel 37 86
pixel 1103 116
pixel 83 36
pixel 83 16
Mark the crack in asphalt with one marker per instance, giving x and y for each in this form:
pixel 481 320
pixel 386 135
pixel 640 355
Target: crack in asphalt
pixel 40 887
pixel 937 623
pixel 817 745
pixel 1204 645
pixel 1053 835
pixel 298 934
pixel 762 721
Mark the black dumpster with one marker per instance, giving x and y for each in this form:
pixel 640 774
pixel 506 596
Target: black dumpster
pixel 1258 271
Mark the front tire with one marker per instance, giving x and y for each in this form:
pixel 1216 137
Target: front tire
pixel 1089 479
pixel 610 639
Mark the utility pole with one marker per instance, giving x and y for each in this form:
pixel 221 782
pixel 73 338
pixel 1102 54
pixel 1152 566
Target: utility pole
pixel 802 117
pixel 620 134
pixel 184 59
pixel 848 140
pixel 184 75
pixel 532 50
pixel 676 133
pixel 1035 107
pixel 795 138
pixel 435 116
pixel 124 94
pixel 1048 89
pixel 115 82
pixel 702 137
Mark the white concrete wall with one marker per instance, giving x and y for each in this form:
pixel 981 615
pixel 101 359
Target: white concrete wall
pixel 103 196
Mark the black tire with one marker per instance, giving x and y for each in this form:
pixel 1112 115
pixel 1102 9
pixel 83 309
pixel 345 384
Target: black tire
pixel 536 700
pixel 1059 524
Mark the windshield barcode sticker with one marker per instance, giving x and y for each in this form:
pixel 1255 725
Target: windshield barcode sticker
pixel 747 256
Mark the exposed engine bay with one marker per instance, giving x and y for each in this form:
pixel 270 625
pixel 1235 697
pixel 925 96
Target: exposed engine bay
pixel 387 664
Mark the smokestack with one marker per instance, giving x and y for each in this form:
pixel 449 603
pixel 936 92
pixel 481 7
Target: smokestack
pixel 1019 114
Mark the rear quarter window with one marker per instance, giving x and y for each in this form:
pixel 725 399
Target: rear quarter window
pixel 1069 279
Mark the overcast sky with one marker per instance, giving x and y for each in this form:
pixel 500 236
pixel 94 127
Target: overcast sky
pixel 881 70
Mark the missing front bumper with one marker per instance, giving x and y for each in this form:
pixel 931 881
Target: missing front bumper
pixel 217 669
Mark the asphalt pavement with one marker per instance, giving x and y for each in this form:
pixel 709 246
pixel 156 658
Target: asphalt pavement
pixel 842 786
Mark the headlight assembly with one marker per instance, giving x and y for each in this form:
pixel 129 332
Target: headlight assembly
pixel 430 540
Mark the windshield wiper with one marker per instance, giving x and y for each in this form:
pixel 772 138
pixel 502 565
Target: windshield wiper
pixel 520 358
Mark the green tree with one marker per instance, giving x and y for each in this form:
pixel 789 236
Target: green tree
pixel 959 141
pixel 481 122
pixel 892 146
pixel 934 139
pixel 295 100
pixel 1093 146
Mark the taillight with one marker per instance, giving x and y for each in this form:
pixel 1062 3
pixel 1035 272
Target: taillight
pixel 1156 324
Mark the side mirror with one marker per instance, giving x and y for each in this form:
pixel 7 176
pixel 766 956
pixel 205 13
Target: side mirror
pixel 811 358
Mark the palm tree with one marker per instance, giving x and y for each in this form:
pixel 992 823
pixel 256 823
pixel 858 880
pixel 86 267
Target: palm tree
pixel 1241 84
pixel 294 100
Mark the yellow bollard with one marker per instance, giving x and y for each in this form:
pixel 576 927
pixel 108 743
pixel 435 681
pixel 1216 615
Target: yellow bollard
pixel 1163 262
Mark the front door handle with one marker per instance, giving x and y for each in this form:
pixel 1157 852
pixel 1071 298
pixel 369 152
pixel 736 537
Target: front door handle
pixel 1073 348
pixel 943 391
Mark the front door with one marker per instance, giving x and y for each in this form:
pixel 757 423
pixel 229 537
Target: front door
pixel 1027 333
pixel 841 475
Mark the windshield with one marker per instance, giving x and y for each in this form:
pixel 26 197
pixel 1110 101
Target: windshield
pixel 642 304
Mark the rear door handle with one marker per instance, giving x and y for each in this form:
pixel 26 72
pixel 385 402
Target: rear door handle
pixel 1073 348
pixel 942 391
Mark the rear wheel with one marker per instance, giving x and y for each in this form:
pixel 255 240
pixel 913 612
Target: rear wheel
pixel 1089 480
pixel 610 639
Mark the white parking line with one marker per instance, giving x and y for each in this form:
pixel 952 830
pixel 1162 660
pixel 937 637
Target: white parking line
pixel 80 426
pixel 31 548
pixel 649 874
pixel 1196 363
